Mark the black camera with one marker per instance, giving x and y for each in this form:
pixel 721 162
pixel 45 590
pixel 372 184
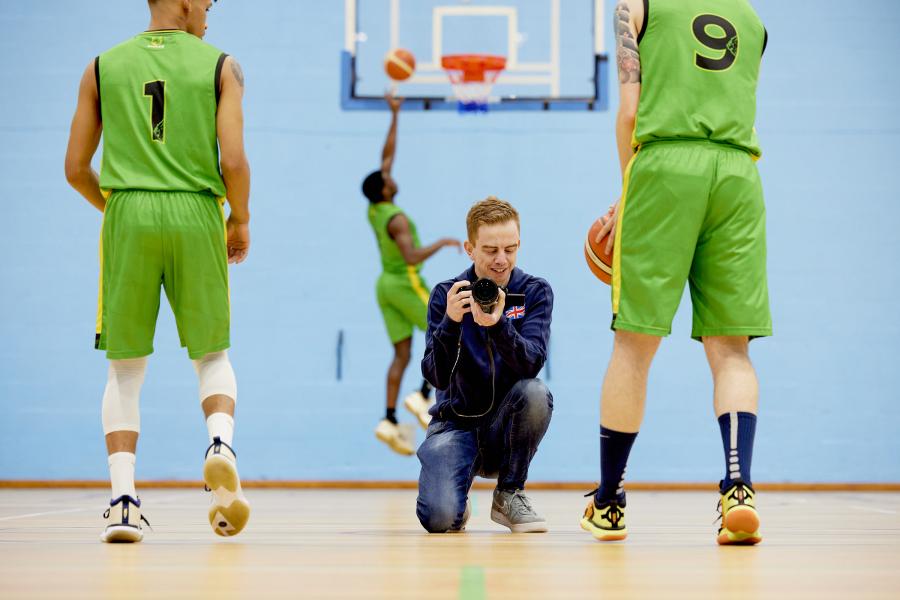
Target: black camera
pixel 485 293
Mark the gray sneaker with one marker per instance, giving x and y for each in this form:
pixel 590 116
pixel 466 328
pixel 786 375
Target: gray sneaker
pixel 514 510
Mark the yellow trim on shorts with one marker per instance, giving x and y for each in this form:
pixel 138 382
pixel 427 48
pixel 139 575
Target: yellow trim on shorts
pixel 99 329
pixel 617 255
pixel 416 283
pixel 225 240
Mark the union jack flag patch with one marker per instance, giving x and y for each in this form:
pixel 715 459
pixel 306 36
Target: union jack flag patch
pixel 515 312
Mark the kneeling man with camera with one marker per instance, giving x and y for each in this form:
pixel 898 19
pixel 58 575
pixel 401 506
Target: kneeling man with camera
pixel 487 338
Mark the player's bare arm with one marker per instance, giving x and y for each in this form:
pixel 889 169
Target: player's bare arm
pixel 627 19
pixel 390 144
pixel 84 137
pixel 398 228
pixel 233 159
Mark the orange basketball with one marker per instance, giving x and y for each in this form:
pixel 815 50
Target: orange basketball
pixel 399 64
pixel 598 260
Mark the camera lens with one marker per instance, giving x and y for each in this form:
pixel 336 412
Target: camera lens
pixel 485 292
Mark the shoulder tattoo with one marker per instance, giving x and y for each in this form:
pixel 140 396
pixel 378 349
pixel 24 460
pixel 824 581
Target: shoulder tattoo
pixel 628 58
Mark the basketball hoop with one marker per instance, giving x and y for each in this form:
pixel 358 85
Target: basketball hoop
pixel 472 77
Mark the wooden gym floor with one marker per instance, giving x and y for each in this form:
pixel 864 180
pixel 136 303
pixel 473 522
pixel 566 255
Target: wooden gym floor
pixel 368 544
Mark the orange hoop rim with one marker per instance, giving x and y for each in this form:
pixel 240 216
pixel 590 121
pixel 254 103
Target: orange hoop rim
pixel 471 68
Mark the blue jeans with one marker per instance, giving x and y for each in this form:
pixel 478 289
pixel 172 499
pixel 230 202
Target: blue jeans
pixel 502 448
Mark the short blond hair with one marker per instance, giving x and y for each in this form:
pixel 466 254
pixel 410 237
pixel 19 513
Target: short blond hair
pixel 490 211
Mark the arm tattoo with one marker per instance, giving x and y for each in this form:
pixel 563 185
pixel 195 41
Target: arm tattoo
pixel 238 73
pixel 627 56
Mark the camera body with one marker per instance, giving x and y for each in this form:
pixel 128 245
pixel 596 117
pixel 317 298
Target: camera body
pixel 486 293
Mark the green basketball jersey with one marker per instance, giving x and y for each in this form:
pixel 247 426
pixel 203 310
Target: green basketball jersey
pixel 380 214
pixel 158 98
pixel 699 68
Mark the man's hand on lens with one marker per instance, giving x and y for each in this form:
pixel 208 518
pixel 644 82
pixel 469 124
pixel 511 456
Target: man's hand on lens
pixel 489 319
pixel 458 303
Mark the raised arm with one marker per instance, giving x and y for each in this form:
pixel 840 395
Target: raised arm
pixel 628 20
pixel 398 228
pixel 390 144
pixel 84 137
pixel 233 160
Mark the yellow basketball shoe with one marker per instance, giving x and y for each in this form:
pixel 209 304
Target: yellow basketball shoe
pixel 229 510
pixel 605 522
pixel 123 521
pixel 740 521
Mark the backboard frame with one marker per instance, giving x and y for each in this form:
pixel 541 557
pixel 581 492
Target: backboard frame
pixel 352 99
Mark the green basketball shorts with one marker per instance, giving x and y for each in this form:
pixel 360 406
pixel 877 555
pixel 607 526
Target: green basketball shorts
pixel 403 300
pixel 692 212
pixel 171 239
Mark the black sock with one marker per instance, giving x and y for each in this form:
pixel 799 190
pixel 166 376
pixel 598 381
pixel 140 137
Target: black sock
pixel 738 430
pixel 614 449
pixel 391 415
pixel 426 389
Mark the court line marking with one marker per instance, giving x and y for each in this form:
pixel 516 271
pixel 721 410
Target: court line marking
pixel 471 583
pixel 882 511
pixel 63 511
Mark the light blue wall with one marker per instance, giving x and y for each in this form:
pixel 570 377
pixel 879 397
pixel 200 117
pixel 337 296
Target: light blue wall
pixel 828 121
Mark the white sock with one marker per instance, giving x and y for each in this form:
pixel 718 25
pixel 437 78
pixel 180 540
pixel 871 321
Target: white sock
pixel 121 474
pixel 222 425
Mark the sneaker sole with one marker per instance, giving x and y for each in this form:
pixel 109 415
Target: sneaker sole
pixel 603 535
pixel 423 421
pixel 121 534
pixel 534 527
pixel 393 445
pixel 741 527
pixel 227 517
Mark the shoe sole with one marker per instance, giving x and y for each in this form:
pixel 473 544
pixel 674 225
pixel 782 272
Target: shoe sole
pixel 740 527
pixel 534 527
pixel 227 517
pixel 423 421
pixel 121 534
pixel 603 535
pixel 393 445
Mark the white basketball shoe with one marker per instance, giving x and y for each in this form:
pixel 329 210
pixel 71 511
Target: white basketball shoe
pixel 400 438
pixel 418 405
pixel 229 510
pixel 123 521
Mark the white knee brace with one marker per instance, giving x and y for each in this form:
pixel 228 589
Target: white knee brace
pixel 216 376
pixel 121 398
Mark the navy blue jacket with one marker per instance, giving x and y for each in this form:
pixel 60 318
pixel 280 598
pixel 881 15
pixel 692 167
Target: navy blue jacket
pixel 474 367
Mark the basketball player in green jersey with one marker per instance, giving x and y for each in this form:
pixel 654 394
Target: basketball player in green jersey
pixel 166 104
pixel 401 291
pixel 691 211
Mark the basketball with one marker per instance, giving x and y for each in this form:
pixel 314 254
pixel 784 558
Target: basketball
pixel 399 64
pixel 598 260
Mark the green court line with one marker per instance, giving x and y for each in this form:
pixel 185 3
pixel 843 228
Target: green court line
pixel 471 584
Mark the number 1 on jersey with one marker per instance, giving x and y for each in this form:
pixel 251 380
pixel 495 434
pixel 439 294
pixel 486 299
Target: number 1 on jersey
pixel 156 91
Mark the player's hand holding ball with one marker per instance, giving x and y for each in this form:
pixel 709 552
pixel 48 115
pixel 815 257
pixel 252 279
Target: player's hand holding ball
pixel 458 302
pixel 238 240
pixel 609 227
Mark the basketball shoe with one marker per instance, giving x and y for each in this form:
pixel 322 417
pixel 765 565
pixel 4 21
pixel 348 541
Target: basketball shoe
pixel 740 521
pixel 606 522
pixel 418 405
pixel 396 437
pixel 123 521
pixel 229 510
